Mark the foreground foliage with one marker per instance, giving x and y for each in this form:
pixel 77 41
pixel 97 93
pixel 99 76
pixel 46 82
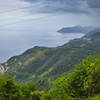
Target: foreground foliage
pixel 9 90
pixel 83 83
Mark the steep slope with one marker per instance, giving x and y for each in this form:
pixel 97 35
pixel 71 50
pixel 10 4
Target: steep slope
pixel 42 62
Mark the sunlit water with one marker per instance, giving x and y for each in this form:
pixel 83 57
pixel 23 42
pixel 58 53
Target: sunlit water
pixel 12 45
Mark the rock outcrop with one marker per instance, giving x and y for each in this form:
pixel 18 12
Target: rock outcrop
pixel 1 69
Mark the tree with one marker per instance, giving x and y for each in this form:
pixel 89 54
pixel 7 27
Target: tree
pixel 83 81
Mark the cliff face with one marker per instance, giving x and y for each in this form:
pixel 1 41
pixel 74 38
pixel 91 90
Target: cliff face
pixel 1 69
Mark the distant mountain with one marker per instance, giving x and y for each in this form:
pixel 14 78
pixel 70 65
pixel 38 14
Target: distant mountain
pixel 76 29
pixel 42 62
pixel 93 31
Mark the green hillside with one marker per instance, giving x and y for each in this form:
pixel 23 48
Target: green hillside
pixel 44 62
pixel 60 73
pixel 82 83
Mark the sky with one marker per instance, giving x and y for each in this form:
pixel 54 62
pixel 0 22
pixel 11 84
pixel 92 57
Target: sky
pixel 27 23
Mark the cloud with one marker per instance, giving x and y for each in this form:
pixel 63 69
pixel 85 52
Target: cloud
pixel 31 0
pixel 15 11
pixel 94 3
pixel 55 6
pixel 66 6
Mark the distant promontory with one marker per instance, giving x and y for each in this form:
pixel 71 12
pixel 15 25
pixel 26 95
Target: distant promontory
pixel 76 29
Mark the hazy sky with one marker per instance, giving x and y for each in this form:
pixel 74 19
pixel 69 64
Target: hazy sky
pixel 26 23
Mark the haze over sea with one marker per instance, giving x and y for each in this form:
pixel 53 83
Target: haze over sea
pixel 12 45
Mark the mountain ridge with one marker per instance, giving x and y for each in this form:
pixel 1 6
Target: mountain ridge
pixel 44 62
pixel 76 29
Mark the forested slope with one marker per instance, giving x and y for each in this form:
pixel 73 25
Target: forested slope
pixel 42 62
